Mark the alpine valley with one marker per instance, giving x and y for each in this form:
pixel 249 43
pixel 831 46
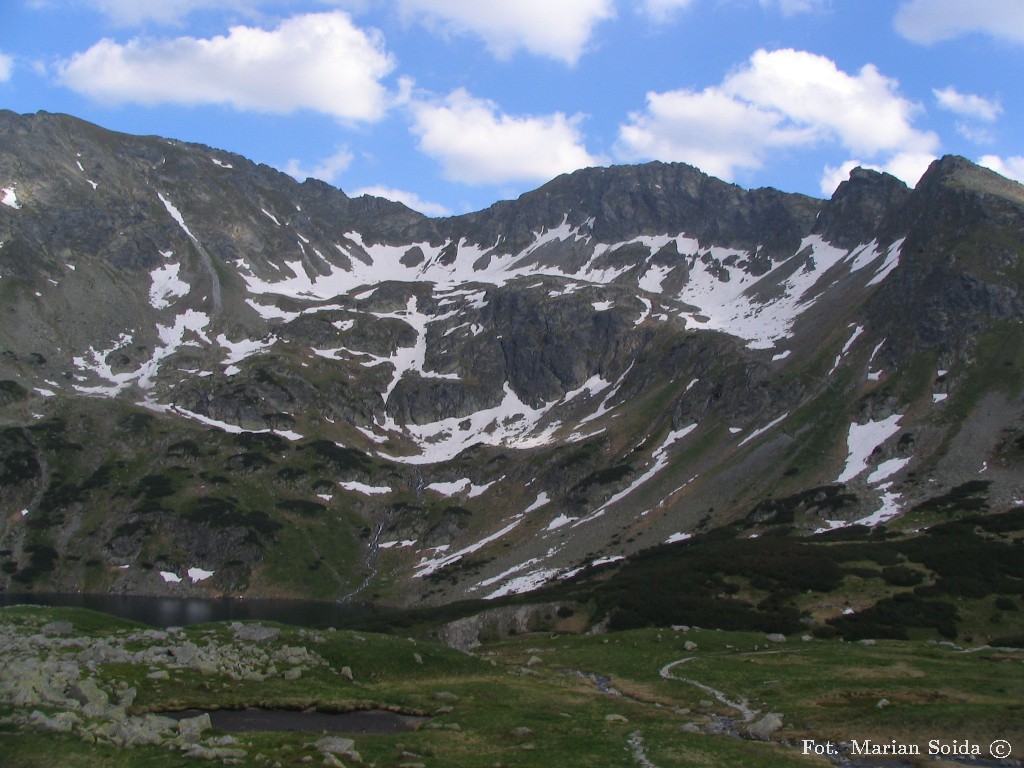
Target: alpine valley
pixel 215 380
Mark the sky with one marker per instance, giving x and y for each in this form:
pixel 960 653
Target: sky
pixel 451 105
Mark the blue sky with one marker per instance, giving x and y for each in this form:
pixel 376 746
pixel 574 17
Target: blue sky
pixel 451 105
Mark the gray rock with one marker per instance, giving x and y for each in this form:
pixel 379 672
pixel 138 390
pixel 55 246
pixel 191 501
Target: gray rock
pixel 338 745
pixel 775 637
pixel 214 753
pixel 190 729
pixel 763 729
pixel 62 722
pixel 689 645
pixel 257 633
pixel 94 700
pixel 186 653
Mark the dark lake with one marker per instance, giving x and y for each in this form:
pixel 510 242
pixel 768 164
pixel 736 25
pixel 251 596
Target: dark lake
pixel 183 611
pixel 249 720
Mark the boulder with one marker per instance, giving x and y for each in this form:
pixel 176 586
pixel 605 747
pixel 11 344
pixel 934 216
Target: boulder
pixel 190 729
pixel 257 633
pixel 763 729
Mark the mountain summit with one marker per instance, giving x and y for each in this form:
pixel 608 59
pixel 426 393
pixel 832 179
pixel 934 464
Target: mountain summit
pixel 217 380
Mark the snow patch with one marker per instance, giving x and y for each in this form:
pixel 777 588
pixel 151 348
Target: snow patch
pixel 170 577
pixel 862 441
pixel 527 583
pixel 450 489
pixel 540 501
pixel 363 488
pixel 677 537
pixel 887 469
pixel 758 432
pixel 176 215
pixel 427 566
pixel 198 574
pixel 396 544
pixel 660 460
pixel 559 521
pixel 166 285
pixel 10 198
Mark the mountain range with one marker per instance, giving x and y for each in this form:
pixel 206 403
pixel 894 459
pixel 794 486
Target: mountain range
pixel 217 380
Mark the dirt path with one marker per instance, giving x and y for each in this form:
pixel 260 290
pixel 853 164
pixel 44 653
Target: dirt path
pixel 742 705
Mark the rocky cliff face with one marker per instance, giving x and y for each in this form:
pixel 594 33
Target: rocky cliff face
pixel 208 368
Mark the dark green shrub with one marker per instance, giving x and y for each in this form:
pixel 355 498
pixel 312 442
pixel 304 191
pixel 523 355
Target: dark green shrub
pixel 902 576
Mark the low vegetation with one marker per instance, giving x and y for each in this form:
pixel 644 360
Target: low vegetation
pixel 659 696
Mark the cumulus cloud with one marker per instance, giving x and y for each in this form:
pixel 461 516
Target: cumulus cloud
pixel 6 67
pixel 779 99
pixel 476 143
pixel 559 30
pixel 932 21
pixel 863 112
pixel 321 62
pixel 968 104
pixel 410 199
pixel 136 12
pixel 1011 167
pixel 710 129
pixel 327 169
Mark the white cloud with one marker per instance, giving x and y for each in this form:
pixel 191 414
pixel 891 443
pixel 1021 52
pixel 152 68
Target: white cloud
pixel 863 112
pixel 709 129
pixel 793 7
pixel 327 169
pixel 932 21
pixel 559 30
pixel 906 166
pixel 321 62
pixel 6 67
pixel 410 199
pixel 136 12
pixel 779 99
pixel 968 104
pixel 477 144
pixel 662 10
pixel 1011 167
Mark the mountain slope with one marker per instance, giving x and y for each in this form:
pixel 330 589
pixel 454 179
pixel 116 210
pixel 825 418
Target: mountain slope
pixel 207 365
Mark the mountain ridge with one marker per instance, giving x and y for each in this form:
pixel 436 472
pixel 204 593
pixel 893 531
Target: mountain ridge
pixel 427 409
